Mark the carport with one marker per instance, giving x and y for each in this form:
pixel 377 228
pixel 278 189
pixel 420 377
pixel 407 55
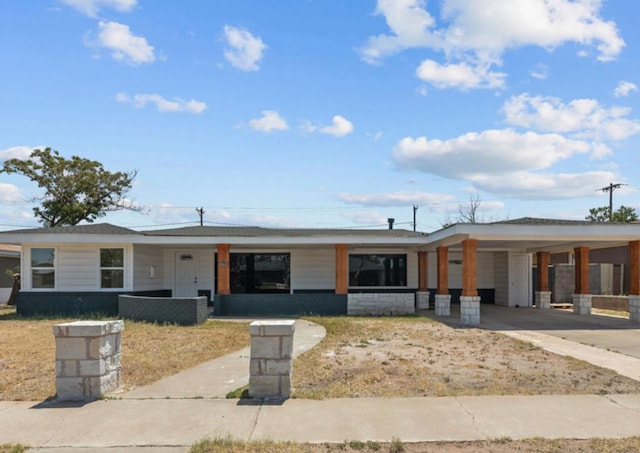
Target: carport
pixel 511 246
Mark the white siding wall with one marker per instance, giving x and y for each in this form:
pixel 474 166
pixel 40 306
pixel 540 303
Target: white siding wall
pixel 77 267
pixel 144 257
pixel 313 269
pixel 501 277
pixel 206 271
pixel 485 270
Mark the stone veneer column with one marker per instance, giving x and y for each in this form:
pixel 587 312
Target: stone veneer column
pixel 634 283
pixel 469 300
pixel 88 359
pixel 443 298
pixel 271 356
pixel 543 295
pixel 422 295
pixel 582 297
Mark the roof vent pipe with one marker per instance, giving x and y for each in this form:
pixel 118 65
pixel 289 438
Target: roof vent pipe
pixel 390 220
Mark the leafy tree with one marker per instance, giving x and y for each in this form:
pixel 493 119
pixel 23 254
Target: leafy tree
pixel 624 214
pixel 76 189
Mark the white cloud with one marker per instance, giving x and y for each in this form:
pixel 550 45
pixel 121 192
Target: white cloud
pixel 10 194
pixel 91 8
pixel 624 89
pixel 460 75
pixel 16 152
pixel 540 72
pixel 245 50
pixel 583 118
pixel 401 198
pixel 339 128
pixel 163 105
pixel 124 45
pixel 269 121
pixel 493 152
pixel 474 35
pixel 541 186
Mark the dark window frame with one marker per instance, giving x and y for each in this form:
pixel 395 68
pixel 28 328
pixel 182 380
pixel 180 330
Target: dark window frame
pixel 43 269
pixel 247 278
pixel 371 270
pixel 111 272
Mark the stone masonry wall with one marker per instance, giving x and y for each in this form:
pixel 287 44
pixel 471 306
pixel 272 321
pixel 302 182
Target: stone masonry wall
pixel 381 304
pixel 88 359
pixel 271 355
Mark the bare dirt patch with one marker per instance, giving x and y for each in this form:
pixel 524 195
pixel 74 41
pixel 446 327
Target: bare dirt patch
pixel 403 357
pixel 150 352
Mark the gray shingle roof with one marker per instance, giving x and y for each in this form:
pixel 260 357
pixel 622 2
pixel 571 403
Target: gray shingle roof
pixel 230 231
pixel 537 221
pixel 92 228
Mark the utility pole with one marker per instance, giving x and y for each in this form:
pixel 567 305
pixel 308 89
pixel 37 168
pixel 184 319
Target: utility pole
pixel 610 188
pixel 415 208
pixel 200 212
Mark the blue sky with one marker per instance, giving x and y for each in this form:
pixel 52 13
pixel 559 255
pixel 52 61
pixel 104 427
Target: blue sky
pixel 328 113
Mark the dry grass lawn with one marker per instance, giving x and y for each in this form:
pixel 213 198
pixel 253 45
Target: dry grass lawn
pixel 504 445
pixel 415 356
pixel 149 351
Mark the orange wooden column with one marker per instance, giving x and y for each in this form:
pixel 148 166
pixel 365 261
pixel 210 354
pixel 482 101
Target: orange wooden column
pixel 470 267
pixel 443 270
pixel 224 272
pixel 582 270
pixel 543 259
pixel 422 271
pixel 342 268
pixel 634 268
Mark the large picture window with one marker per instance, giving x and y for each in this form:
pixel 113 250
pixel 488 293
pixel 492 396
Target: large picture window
pixel 260 273
pixel 378 270
pixel 111 268
pixel 43 271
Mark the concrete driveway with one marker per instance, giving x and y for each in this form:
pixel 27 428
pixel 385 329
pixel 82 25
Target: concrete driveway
pixel 603 332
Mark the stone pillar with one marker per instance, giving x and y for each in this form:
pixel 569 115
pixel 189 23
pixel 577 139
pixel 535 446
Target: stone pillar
pixel 582 304
pixel 443 304
pixel 543 299
pixel 582 296
pixel 88 359
pixel 422 298
pixel 470 310
pixel 271 358
pixel 224 271
pixel 634 308
pixel 342 268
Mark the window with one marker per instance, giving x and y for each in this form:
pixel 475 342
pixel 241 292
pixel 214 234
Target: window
pixel 111 268
pixel 377 270
pixel 253 273
pixel 43 271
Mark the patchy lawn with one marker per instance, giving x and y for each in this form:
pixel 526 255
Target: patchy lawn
pixel 503 445
pixel 149 352
pixel 416 356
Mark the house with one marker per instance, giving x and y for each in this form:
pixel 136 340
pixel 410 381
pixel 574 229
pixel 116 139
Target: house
pixel 263 271
pixel 9 261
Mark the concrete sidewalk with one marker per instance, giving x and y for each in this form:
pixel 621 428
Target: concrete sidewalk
pixel 172 414
pixel 180 422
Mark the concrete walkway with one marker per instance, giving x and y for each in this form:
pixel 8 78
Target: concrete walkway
pixel 145 420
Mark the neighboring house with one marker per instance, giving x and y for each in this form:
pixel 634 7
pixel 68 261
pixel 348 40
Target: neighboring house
pixel 261 271
pixel 9 260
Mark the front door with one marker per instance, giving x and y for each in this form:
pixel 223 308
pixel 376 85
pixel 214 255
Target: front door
pixel 186 284
pixel 520 280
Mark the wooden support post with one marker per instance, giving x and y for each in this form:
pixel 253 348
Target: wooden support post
pixel 582 270
pixel 422 272
pixel 470 267
pixel 342 269
pixel 543 259
pixel 634 268
pixel 443 270
pixel 224 271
